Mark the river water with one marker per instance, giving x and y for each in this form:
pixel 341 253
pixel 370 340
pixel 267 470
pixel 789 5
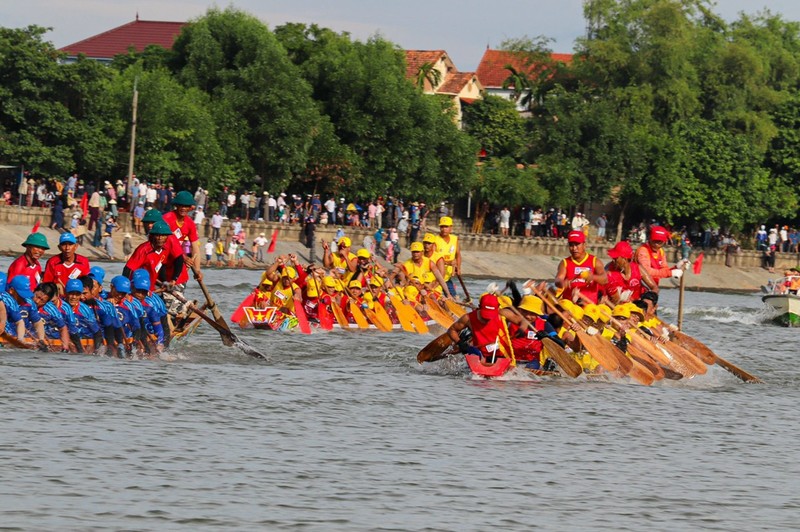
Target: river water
pixel 345 431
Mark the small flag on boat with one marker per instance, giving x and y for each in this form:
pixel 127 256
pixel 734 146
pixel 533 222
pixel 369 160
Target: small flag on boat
pixel 273 241
pixel 697 266
pixel 35 226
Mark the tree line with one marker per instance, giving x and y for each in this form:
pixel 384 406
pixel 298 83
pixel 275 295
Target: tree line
pixel 665 111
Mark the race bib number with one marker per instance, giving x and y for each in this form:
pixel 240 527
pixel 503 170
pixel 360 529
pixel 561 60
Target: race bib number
pixel 74 274
pixel 178 233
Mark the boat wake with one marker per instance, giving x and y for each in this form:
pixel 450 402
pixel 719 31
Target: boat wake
pixel 740 315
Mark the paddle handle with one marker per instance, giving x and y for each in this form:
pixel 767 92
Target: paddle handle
pixel 464 287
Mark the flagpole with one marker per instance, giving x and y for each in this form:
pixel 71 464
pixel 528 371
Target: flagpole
pixel 680 301
pixel 133 145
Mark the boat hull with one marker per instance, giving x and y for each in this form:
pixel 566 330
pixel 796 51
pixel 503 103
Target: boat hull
pixel 788 307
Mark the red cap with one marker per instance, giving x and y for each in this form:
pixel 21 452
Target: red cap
pixel 576 237
pixel 489 307
pixel 622 249
pixel 658 233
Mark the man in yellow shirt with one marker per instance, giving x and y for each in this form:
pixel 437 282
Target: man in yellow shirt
pixel 447 246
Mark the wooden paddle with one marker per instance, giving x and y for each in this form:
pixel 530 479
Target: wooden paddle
pixel 341 319
pixel 454 308
pixel 376 321
pixel 227 339
pixel 302 319
pixel 604 352
pixel 437 313
pixel 705 353
pixel 234 340
pixel 464 287
pixel 563 359
pixel 13 340
pixel 436 349
pixel 325 318
pixel 383 316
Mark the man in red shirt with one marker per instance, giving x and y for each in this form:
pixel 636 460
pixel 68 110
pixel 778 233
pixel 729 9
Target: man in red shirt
pixel 66 265
pixel 580 272
pixel 185 230
pixel 626 280
pixel 651 257
pixel 163 263
pixel 28 263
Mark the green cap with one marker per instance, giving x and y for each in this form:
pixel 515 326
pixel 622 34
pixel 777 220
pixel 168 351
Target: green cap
pixel 36 239
pixel 160 228
pixel 184 197
pixel 153 215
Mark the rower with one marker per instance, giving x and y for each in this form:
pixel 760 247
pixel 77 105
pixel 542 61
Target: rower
pixel 59 321
pixel 418 265
pixel 13 324
pixel 104 312
pixel 152 255
pixel 120 290
pixel 285 291
pixel 27 264
pixel 86 325
pixel 66 265
pixel 528 344
pixel 626 280
pixel 580 274
pixel 20 289
pixel 153 310
pixel 489 324
pixel 185 230
pixel 343 261
pixel 430 252
pixel 448 247
pixel 650 256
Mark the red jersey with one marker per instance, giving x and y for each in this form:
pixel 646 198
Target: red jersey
pixel 58 271
pixel 489 336
pixel 147 258
pixel 185 232
pixel 576 282
pixel 22 266
pixel 617 283
pixel 527 347
pixel 654 262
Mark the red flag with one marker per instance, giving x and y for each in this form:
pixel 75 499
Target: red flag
pixel 35 226
pixel 273 241
pixel 697 266
pixel 85 205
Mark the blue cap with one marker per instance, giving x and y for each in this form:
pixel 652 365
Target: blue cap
pixel 73 285
pixel 22 285
pixel 68 238
pixel 122 284
pixel 3 278
pixel 97 273
pixel 141 279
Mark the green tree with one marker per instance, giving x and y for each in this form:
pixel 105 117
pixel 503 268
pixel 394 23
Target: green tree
pixel 428 73
pixel 263 109
pixel 496 125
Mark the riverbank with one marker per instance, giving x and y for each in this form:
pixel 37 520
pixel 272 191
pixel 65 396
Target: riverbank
pixel 483 256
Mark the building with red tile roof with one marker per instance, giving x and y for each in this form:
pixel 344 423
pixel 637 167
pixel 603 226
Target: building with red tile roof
pixel 462 87
pixel 137 34
pixel 492 71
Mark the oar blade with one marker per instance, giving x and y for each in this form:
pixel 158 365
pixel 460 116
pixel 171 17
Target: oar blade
pixel 436 349
pixel 564 360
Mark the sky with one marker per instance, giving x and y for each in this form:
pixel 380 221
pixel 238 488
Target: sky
pixel 463 28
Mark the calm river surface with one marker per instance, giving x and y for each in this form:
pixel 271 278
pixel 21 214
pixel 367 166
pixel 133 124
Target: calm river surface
pixel 345 431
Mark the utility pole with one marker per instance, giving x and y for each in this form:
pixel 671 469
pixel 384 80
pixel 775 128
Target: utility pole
pixel 133 146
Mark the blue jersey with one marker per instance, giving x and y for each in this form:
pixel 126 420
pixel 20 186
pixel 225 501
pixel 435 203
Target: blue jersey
pixel 127 318
pixel 86 325
pixel 157 303
pixel 29 313
pixel 53 320
pixel 152 320
pixel 13 314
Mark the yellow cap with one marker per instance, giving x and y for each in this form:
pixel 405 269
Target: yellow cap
pixel 355 283
pixel 430 238
pixel 445 220
pixel 604 312
pixel 621 311
pixel 577 312
pixel 566 304
pixel 376 281
pixel 532 304
pixel 289 272
pixel 363 253
pixel 428 277
pixel 329 282
pixel 504 301
pixel 411 292
pixel 591 310
pixel 352 207
pixel 312 289
pixel 633 309
pixel 417 246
